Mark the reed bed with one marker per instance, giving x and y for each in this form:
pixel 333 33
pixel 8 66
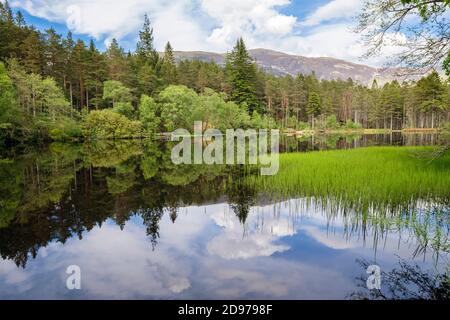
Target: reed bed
pixel 382 179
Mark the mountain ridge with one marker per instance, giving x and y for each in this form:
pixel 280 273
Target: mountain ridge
pixel 325 68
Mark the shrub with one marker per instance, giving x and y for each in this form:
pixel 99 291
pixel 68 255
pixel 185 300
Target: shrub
pixel 107 124
pixel 292 122
pixel 352 125
pixel 65 129
pixel 302 125
pixel 147 115
pixel 125 109
pixel 331 122
pixel 177 104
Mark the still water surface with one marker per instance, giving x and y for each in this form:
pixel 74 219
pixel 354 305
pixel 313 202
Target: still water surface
pixel 140 227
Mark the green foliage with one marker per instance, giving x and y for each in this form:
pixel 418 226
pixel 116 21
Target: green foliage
pixel 314 104
pixel 352 125
pixel 53 101
pixel 216 113
pixel 8 106
pixel 107 124
pixel 145 49
pixel 176 105
pixel 361 179
pixel 123 180
pixel 446 66
pixel 148 79
pixel 147 115
pixel 241 72
pixel 391 99
pixel 65 130
pixel 124 108
pixel 147 64
pixel 116 92
pixel 427 8
pixel 331 122
pixel 257 121
pixel 10 191
pixel 118 64
pixel 426 41
pixel 303 125
pixel 292 122
pixel 431 93
pixel 169 69
pixel 54 77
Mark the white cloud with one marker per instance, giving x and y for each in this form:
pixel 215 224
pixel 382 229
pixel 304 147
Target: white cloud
pixel 212 25
pixel 106 19
pixel 251 19
pixel 206 254
pixel 335 9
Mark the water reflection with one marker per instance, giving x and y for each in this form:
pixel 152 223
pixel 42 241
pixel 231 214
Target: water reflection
pixel 141 227
pixel 406 281
pixel 351 141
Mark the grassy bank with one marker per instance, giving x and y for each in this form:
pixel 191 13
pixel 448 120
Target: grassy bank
pixel 387 178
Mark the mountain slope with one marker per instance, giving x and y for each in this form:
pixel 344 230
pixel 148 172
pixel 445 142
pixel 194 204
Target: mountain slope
pixel 279 63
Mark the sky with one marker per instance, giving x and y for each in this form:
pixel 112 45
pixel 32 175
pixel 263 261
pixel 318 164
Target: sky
pixel 309 28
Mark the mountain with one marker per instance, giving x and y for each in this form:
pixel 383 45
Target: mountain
pixel 279 63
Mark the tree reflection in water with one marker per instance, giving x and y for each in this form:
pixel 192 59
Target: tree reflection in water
pixel 67 190
pixel 405 282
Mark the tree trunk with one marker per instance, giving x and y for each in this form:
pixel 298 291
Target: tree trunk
pixel 34 104
pixel 71 98
pixel 432 120
pixel 81 93
pixel 87 99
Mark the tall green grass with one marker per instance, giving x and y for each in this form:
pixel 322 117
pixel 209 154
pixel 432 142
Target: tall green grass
pixel 384 179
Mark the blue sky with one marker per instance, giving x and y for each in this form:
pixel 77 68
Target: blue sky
pixel 310 28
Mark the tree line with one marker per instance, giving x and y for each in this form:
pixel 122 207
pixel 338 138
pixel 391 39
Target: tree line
pixel 58 87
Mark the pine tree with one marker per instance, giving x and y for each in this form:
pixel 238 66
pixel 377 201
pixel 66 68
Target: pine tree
pixel 241 72
pixel 33 53
pixel 119 68
pixel 314 106
pixel 6 13
pixel 54 54
pixel 145 49
pixel 169 70
pixel 391 103
pixel 96 74
pixel 431 97
pixel 78 60
pixel 148 64
pixel 168 54
pixel 11 36
pixel 8 105
pixel 20 20
pixel 68 77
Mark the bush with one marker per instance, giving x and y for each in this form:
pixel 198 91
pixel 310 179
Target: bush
pixel 352 125
pixel 125 109
pixel 176 105
pixel 302 125
pixel 292 122
pixel 258 121
pixel 331 122
pixel 107 124
pixel 65 129
pixel 147 115
pixel 216 113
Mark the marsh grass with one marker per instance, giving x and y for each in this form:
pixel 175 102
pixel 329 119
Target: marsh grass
pixel 373 191
pixel 384 179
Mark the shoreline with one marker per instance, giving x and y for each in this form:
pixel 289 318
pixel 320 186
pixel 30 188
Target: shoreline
pixel 360 131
